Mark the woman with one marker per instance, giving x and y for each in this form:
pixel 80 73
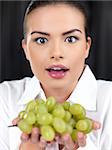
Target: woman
pixel 56 44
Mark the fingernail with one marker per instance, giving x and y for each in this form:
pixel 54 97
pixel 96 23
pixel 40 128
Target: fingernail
pixel 24 138
pixel 80 135
pixel 97 125
pixel 66 137
pixel 35 131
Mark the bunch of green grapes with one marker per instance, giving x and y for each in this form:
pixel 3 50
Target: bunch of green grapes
pixel 52 118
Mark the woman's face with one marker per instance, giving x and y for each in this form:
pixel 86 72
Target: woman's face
pixel 56 45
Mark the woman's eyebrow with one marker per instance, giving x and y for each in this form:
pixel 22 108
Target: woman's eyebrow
pixel 65 33
pixel 71 31
pixel 40 32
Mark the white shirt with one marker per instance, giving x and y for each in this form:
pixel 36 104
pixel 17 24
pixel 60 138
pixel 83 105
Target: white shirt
pixel 95 96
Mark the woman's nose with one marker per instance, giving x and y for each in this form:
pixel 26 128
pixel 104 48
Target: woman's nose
pixel 57 52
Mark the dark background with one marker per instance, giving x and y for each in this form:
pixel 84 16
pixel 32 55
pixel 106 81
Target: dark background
pixel 13 64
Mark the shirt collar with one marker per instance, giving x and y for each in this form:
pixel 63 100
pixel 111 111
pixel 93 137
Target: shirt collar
pixel 32 89
pixel 84 93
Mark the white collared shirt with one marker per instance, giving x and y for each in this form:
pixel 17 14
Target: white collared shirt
pixel 95 96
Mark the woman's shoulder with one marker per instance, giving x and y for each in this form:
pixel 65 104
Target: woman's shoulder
pixel 104 84
pixel 13 87
pixel 104 88
pixel 5 85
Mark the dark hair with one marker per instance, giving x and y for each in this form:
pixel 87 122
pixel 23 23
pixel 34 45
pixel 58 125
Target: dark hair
pixel 81 5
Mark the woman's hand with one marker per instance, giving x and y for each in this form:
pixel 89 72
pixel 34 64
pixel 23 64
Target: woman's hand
pixel 81 139
pixel 34 142
pixel 31 141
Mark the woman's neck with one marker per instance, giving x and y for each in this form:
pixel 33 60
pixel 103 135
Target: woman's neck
pixel 60 95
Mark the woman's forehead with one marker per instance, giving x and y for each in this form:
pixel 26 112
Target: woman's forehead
pixel 63 8
pixel 55 15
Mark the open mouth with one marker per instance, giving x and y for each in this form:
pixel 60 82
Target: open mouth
pixel 57 71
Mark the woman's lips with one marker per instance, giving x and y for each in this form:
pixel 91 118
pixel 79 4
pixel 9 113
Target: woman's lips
pixel 57 71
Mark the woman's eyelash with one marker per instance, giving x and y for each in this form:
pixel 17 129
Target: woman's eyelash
pixel 40 40
pixel 71 39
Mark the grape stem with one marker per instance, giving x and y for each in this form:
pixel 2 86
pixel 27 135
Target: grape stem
pixel 13 125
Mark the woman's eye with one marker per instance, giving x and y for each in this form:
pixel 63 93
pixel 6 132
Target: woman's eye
pixel 71 39
pixel 41 40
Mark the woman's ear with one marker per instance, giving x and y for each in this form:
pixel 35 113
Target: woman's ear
pixel 24 46
pixel 88 45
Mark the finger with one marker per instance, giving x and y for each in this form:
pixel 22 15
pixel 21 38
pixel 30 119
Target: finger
pixel 35 135
pixel 42 143
pixel 60 142
pixel 50 142
pixel 58 139
pixel 15 121
pixel 96 125
pixel 76 146
pixel 68 142
pixel 24 137
pixel 81 139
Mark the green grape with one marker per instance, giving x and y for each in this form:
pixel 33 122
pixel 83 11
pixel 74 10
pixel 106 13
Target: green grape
pixel 72 122
pixel 30 106
pixel 59 111
pixel 52 118
pixel 59 125
pixel 50 103
pixel 90 125
pixel 24 126
pixel 37 100
pixel 67 116
pixel 44 119
pixel 38 116
pixel 74 135
pixel 40 101
pixel 82 125
pixel 81 116
pixel 36 109
pixel 42 108
pixel 69 129
pixel 22 114
pixel 36 124
pixel 66 105
pixel 30 117
pixel 76 109
pixel 47 132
